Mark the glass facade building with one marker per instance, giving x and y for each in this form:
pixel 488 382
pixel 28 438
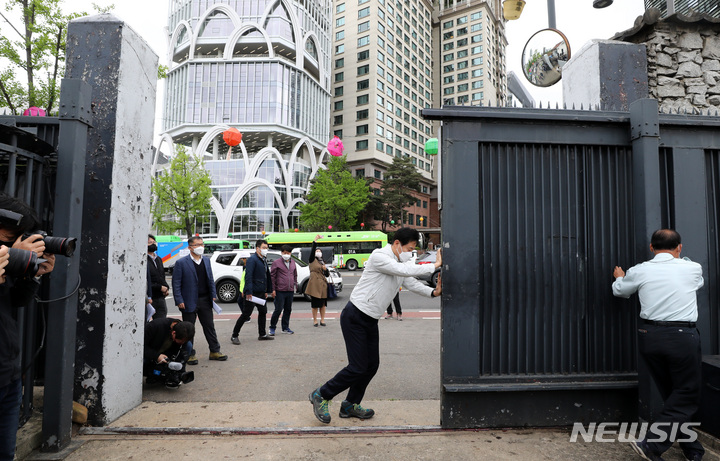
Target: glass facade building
pixel 261 67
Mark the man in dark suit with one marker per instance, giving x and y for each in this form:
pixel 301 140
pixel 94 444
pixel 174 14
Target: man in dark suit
pixel 160 288
pixel 194 293
pixel 258 283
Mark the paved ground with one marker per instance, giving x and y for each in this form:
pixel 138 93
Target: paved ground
pixel 254 406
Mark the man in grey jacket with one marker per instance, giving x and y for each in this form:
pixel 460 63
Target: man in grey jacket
pixel 385 271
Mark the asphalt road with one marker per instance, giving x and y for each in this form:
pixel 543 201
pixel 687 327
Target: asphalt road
pixel 289 367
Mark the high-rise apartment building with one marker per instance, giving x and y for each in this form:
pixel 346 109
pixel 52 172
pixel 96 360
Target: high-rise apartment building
pixel 382 71
pixel 263 67
pixel 470 42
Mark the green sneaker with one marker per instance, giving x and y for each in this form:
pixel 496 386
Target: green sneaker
pixel 348 409
pixel 320 406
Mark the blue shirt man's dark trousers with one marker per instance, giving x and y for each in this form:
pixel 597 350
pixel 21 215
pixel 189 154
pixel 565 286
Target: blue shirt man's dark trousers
pixel 10 396
pixel 204 313
pixel 283 304
pixel 674 359
pixel 247 309
pixel 362 341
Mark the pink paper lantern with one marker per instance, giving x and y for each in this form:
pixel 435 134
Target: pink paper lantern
pixel 330 227
pixel 34 112
pixel 335 147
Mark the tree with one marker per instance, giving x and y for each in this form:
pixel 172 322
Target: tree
pixel 182 194
pixel 335 198
pixel 36 53
pixel 401 180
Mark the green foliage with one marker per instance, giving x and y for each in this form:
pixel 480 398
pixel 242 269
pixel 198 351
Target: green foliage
pixel 182 194
pixel 34 48
pixel 335 198
pixel 401 180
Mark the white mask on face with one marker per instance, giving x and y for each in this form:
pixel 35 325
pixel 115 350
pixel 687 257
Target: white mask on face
pixel 286 257
pixel 264 252
pixel 199 250
pixel 405 256
pixel 318 254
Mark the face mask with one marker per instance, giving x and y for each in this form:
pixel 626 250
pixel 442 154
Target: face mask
pixel 199 250
pixel 405 256
pixel 152 248
pixel 318 254
pixel 286 257
pixel 264 252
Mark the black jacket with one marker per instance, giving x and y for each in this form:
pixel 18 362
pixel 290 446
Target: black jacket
pixel 158 339
pixel 13 294
pixel 257 276
pixel 157 276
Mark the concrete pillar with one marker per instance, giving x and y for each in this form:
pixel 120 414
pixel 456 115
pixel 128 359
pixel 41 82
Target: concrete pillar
pixel 122 70
pixel 606 73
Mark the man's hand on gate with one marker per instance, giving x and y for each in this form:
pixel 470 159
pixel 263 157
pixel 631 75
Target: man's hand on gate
pixel 618 272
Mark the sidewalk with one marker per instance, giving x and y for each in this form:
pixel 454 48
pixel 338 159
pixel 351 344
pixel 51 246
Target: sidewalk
pixel 401 430
pixel 254 406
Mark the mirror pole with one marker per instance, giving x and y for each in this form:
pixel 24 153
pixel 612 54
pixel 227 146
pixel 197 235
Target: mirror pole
pixel 551 14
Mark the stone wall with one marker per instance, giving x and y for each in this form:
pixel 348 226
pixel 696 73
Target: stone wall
pixel 683 62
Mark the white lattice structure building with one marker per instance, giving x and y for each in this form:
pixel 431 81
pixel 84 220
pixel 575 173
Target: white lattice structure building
pixel 261 66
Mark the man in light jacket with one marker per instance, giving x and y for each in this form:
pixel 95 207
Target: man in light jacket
pixel 385 271
pixel 283 274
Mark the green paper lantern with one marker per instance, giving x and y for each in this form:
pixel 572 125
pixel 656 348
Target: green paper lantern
pixel 431 146
pixel 392 222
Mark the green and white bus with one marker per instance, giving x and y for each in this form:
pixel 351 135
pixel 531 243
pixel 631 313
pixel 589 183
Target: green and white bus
pixel 351 249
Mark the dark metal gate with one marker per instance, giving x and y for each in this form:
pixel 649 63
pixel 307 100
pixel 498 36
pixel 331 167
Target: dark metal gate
pixel 538 206
pixel 41 161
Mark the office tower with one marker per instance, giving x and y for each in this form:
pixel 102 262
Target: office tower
pixel 262 67
pixel 381 80
pixel 470 42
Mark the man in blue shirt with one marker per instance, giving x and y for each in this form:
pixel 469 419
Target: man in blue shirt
pixel 668 339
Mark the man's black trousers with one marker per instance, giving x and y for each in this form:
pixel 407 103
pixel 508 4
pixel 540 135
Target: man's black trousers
pixel 674 360
pixel 204 313
pixel 362 342
pixel 247 309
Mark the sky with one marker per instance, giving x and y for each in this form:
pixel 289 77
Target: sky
pixel 577 19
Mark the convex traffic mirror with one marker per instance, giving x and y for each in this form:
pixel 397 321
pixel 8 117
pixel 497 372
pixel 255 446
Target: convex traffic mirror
pixel 544 55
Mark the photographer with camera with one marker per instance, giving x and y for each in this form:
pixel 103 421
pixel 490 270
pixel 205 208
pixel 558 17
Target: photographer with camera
pixel 19 270
pixel 168 345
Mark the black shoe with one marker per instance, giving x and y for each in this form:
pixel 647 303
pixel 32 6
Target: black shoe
pixel 641 448
pixel 265 338
pixel 235 340
pixel 322 324
pixel 316 325
pixel 320 406
pixel 348 409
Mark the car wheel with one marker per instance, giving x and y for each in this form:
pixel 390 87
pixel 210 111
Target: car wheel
pixel 306 296
pixel 227 291
pixel 434 279
pixel 351 265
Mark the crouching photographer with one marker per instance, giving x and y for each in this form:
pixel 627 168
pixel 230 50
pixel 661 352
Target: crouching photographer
pixel 23 258
pixel 168 343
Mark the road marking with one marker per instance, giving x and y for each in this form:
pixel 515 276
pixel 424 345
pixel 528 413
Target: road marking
pixel 434 311
pixel 431 318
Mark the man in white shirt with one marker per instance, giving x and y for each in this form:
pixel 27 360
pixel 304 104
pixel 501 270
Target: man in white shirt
pixel 385 271
pixel 668 339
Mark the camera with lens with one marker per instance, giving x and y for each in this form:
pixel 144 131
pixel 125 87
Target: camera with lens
pixel 55 245
pixel 171 374
pixel 25 263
